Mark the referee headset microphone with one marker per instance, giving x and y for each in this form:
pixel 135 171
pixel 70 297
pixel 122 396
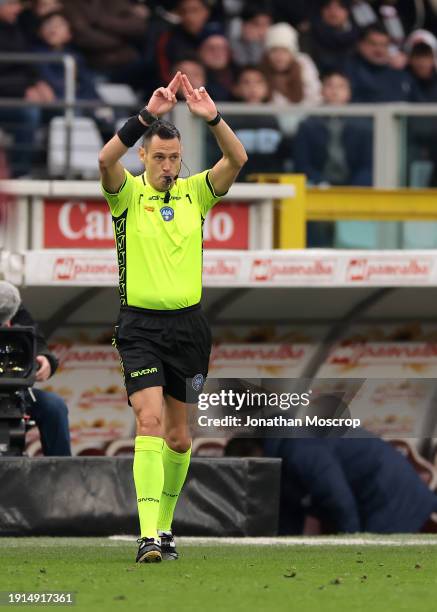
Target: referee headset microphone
pixel 169 179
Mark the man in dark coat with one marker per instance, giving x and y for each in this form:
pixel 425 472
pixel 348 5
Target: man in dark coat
pixel 358 483
pixel 49 410
pixel 371 76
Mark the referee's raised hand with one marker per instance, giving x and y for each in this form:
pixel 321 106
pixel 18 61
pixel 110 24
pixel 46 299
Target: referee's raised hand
pixel 164 98
pixel 198 100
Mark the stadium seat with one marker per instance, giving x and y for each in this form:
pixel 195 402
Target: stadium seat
pixel 86 143
pixel 90 451
pixel 117 93
pixel 209 447
pixel 130 160
pixel 118 448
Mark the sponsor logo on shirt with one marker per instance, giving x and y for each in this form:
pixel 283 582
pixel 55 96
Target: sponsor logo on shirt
pixel 167 213
pixel 172 197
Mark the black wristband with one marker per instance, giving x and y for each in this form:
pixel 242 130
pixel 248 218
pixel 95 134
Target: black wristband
pixel 131 131
pixel 216 120
pixel 147 116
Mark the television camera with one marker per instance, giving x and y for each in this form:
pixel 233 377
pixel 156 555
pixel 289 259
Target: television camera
pixel 17 374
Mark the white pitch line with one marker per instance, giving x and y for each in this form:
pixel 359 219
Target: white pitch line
pixel 397 540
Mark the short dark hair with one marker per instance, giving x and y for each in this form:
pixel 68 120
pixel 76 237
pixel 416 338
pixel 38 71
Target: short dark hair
pixel 334 73
pixel 204 2
pixel 162 129
pixel 249 68
pixel 188 56
pixel 251 11
pixel 421 49
pixel 375 28
pixel 325 3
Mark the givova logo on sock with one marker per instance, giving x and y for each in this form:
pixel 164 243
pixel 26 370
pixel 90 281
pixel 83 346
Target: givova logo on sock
pixel 147 499
pixel 143 372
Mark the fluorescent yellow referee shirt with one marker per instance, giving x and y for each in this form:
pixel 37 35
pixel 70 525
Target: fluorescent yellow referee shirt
pixel 158 237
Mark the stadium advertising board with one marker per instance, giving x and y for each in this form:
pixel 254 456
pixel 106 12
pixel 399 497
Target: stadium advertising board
pixel 396 383
pixel 88 224
pixel 242 268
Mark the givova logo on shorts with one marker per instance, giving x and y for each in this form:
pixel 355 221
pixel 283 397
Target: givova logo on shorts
pixel 143 372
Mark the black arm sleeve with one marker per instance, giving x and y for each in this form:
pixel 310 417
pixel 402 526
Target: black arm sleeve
pixel 23 317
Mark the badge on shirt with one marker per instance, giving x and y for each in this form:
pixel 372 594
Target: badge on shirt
pixel 167 213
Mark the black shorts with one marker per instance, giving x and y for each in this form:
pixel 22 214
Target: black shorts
pixel 168 349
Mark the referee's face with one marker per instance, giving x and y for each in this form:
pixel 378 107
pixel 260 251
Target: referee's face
pixel 162 160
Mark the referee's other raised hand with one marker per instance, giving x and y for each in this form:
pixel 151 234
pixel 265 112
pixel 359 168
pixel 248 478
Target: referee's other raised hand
pixel 198 100
pixel 164 98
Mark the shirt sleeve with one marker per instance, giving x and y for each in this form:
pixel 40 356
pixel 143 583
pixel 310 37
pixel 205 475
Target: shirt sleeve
pixel 204 192
pixel 119 202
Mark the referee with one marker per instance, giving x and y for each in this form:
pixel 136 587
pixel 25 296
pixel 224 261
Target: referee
pixel 161 334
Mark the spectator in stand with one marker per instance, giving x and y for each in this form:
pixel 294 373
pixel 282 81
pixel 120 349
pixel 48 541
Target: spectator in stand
pixel 31 16
pixel 421 47
pixel 248 46
pixel 333 35
pixel 292 75
pixel 384 13
pixel 108 33
pixel 186 37
pixel 19 81
pixel 56 37
pixel 215 54
pixel 333 151
pixel 194 70
pixel 260 134
pixel 371 76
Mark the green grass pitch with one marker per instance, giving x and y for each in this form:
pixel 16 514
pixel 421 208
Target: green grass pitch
pixel 341 575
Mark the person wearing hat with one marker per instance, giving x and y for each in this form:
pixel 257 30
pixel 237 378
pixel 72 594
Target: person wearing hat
pixel 47 409
pixel 293 76
pixel 421 48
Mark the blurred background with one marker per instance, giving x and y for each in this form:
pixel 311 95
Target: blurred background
pixel 319 264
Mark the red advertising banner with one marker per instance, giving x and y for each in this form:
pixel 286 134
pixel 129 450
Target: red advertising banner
pixel 88 224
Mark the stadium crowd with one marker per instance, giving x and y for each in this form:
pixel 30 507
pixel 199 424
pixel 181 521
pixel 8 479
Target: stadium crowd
pixel 303 53
pixel 386 48
pixel 289 53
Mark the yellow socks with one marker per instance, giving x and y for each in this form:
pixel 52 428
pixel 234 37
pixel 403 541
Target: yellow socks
pixel 175 471
pixel 149 480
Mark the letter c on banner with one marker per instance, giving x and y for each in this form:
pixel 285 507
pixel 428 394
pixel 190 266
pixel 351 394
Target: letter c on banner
pixel 65 220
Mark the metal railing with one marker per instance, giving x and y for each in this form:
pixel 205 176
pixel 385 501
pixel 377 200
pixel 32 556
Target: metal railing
pixel 69 100
pixel 386 118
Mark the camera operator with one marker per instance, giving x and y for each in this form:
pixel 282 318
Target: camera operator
pixel 48 410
